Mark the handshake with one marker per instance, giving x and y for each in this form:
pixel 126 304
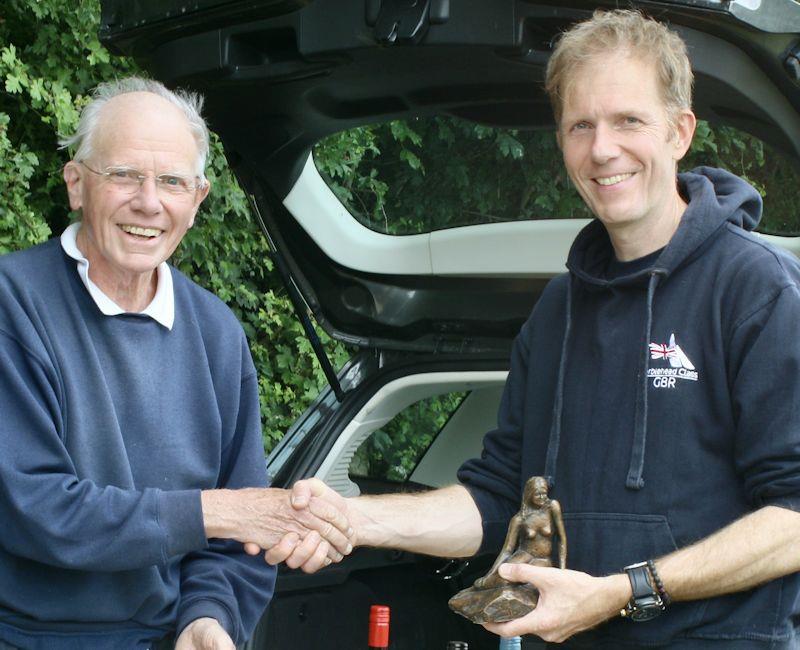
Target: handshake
pixel 308 527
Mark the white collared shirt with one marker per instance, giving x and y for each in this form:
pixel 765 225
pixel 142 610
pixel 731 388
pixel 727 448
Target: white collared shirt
pixel 161 308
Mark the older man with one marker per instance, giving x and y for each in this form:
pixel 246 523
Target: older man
pixel 655 385
pixel 127 396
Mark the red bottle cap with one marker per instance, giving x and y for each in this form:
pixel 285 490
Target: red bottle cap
pixel 378 626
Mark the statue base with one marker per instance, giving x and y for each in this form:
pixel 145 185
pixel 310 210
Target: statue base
pixel 495 605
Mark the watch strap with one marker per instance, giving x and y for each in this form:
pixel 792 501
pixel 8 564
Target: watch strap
pixel 639 575
pixel 646 602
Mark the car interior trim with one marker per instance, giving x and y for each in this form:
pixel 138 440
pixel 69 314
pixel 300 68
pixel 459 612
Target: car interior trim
pixel 398 395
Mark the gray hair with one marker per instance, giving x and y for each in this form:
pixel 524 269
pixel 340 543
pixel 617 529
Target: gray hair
pixel 189 103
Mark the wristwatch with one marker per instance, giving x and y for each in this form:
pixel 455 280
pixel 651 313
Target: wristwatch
pixel 646 603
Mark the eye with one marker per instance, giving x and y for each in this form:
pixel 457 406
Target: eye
pixel 580 126
pixel 122 174
pixel 174 182
pixel 631 120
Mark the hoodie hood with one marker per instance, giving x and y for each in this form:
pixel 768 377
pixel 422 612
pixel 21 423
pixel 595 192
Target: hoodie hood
pixel 714 198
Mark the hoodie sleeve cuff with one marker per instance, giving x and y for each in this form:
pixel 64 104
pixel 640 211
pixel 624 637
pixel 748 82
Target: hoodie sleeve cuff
pixel 206 609
pixel 496 512
pixel 180 515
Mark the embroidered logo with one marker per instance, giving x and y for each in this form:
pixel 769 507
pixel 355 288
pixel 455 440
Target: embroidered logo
pixel 680 367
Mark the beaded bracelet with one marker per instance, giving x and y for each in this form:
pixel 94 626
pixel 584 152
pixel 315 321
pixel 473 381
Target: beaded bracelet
pixel 651 566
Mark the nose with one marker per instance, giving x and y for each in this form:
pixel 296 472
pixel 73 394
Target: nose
pixel 147 199
pixel 604 144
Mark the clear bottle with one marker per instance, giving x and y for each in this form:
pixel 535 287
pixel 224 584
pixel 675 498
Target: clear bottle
pixel 513 643
pixel 378 638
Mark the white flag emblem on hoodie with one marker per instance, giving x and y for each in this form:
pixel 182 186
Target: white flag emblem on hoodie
pixel 680 365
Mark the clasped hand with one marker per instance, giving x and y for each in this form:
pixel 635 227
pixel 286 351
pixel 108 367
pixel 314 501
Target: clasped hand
pixel 309 528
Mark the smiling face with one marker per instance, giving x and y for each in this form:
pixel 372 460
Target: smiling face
pixel 126 236
pixel 621 150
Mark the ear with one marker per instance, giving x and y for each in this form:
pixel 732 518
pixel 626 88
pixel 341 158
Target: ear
pixel 685 124
pixel 74 183
pixel 202 193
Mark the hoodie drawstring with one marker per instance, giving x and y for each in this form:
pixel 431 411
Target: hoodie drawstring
pixel 636 468
pixel 634 479
pixel 558 402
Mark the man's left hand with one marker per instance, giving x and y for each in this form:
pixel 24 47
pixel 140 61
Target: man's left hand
pixel 569 601
pixel 204 634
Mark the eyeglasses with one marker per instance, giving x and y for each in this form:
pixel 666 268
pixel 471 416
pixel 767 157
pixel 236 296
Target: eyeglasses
pixel 130 181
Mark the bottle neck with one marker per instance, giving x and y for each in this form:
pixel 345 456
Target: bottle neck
pixel 514 643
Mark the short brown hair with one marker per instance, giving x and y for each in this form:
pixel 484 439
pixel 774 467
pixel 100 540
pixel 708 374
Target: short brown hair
pixel 627 31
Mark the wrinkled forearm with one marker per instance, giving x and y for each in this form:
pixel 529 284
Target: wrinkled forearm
pixel 444 522
pixel 247 515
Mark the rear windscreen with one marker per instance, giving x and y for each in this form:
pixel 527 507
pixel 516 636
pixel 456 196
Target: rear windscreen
pixel 424 174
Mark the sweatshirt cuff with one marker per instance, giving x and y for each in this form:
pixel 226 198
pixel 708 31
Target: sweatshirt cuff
pixel 496 512
pixel 180 515
pixel 202 608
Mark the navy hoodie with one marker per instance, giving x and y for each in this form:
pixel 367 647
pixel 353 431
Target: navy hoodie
pixel 662 399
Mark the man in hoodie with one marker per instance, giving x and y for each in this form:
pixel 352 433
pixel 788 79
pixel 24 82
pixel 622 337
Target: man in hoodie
pixel 655 385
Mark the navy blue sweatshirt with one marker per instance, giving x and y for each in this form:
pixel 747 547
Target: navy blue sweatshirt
pixel 661 398
pixel 109 429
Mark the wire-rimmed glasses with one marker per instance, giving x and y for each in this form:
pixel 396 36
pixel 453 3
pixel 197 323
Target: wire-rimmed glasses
pixel 130 181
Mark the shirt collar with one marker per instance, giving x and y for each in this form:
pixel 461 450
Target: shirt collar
pixel 161 308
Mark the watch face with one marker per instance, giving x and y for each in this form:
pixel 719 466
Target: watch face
pixel 646 612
